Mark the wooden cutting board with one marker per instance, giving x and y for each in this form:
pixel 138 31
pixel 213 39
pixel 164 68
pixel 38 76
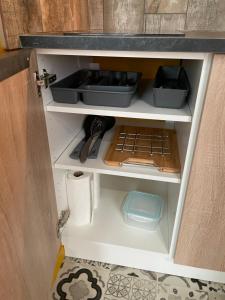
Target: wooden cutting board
pixel 144 146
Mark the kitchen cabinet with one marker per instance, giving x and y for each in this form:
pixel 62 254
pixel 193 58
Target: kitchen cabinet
pixel 29 243
pixel 107 238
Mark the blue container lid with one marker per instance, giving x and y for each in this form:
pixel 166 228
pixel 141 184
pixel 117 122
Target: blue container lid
pixel 143 205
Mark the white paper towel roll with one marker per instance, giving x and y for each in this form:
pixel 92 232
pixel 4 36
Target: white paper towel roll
pixel 79 198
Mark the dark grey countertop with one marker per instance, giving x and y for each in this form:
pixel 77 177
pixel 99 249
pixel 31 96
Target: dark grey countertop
pixel 12 62
pixel 213 42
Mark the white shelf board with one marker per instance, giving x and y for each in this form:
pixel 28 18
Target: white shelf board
pixel 138 109
pixel 98 165
pixel 108 229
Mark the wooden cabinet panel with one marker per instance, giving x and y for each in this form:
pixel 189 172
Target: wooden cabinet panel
pixel 201 240
pixel 28 215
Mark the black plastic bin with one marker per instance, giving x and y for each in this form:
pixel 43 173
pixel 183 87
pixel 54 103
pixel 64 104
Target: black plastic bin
pixel 66 90
pixel 110 88
pixel 97 87
pixel 171 87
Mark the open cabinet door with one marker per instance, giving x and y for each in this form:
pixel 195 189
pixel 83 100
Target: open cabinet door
pixel 201 240
pixel 28 215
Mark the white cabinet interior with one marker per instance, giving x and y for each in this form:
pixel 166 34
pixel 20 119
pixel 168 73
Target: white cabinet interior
pixel 107 238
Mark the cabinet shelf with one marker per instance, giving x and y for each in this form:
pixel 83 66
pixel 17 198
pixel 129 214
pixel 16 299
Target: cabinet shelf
pixel 138 109
pixel 98 165
pixel 109 230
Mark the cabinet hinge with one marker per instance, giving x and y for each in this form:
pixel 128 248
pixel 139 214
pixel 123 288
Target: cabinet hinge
pixel 44 80
pixel 64 216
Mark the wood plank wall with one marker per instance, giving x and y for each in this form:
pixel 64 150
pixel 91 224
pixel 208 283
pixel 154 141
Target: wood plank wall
pixel 14 20
pixel 124 16
pixel 32 16
pixel 68 15
pixel 128 16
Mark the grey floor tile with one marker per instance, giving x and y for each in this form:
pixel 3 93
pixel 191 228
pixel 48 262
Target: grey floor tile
pixel 144 289
pixel 118 286
pixel 185 282
pixel 124 287
pixel 216 296
pixel 134 272
pixel 131 284
pixel 91 263
pixel 80 280
pixel 217 287
pixel 167 292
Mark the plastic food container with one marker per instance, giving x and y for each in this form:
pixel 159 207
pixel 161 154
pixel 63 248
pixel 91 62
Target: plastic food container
pixel 142 210
pixel 66 90
pixel 110 88
pixel 171 87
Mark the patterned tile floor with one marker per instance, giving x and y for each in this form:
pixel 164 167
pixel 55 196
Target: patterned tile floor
pixel 82 280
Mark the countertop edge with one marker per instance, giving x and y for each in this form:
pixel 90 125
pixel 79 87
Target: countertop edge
pixel 12 62
pixel 125 43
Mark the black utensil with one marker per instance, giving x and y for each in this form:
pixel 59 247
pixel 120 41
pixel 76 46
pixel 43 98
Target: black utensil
pixel 76 152
pixel 94 127
pixel 94 150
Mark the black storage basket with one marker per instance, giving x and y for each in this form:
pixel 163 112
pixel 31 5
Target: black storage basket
pixel 66 90
pixel 110 88
pixel 171 87
pixel 97 87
